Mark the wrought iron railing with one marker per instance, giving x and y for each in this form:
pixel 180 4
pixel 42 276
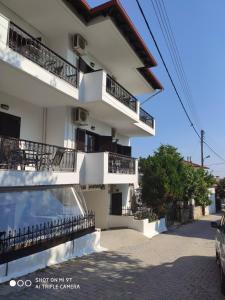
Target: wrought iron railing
pixel 118 163
pixel 32 239
pixel 120 93
pixel 30 47
pixel 122 212
pixel 139 214
pixel 146 118
pixel 18 154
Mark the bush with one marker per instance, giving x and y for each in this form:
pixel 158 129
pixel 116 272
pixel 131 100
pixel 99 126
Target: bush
pixel 146 213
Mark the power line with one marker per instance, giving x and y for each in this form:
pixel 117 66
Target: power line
pixel 210 148
pixel 172 82
pixel 166 28
pixel 216 164
pixel 168 73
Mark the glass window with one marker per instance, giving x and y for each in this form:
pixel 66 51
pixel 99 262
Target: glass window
pixel 31 207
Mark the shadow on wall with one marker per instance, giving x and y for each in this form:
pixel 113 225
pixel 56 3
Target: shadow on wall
pixel 10 57
pixel 22 178
pixel 109 275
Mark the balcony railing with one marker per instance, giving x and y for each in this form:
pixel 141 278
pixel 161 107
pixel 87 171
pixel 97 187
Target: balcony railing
pixel 30 47
pixel 120 93
pixel 32 239
pixel 17 154
pixel 146 118
pixel 118 163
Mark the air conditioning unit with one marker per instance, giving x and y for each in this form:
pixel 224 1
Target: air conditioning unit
pixel 79 44
pixel 79 115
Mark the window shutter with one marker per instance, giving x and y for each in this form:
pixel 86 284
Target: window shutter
pixel 80 139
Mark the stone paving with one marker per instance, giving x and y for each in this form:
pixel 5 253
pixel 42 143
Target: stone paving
pixel 177 265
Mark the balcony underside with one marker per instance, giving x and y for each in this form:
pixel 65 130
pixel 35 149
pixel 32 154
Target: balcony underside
pixel 126 125
pixel 101 35
pixel 16 81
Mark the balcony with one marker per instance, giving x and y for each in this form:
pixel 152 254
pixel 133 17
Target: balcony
pixel 17 154
pixel 32 71
pixel 110 168
pixel 120 93
pixel 146 118
pixel 120 164
pixel 109 102
pixel 31 48
pixel 24 162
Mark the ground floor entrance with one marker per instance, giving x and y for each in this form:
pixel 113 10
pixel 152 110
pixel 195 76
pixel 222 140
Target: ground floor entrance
pixel 107 200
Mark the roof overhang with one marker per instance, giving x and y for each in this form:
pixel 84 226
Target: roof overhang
pixel 115 11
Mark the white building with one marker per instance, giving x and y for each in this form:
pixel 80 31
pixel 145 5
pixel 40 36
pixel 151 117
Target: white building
pixel 68 74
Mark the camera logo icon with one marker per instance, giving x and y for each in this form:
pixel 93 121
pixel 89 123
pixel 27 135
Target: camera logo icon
pixel 20 283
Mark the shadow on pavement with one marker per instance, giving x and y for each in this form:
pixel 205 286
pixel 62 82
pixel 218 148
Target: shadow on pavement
pixel 197 229
pixel 109 275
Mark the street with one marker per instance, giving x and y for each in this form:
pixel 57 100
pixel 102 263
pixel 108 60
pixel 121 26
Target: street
pixel 177 265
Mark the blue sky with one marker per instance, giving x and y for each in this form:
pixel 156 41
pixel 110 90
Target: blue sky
pixel 198 27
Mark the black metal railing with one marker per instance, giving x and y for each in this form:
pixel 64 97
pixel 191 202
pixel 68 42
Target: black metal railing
pixel 120 93
pixel 122 212
pixel 140 213
pixel 30 47
pixel 118 163
pixel 32 239
pixel 18 154
pixel 146 118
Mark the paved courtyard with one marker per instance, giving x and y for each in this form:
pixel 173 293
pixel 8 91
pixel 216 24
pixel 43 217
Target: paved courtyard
pixel 177 265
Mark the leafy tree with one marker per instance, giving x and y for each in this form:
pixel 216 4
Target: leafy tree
pixel 220 190
pixel 167 179
pixel 203 182
pixel 162 182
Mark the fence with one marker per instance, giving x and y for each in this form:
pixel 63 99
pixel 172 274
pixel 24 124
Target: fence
pixel 18 154
pixel 22 242
pixel 32 48
pixel 120 93
pixel 146 118
pixel 122 164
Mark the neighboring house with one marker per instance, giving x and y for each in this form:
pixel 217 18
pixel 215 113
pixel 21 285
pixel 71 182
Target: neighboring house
pixel 194 165
pixel 68 78
pixel 210 209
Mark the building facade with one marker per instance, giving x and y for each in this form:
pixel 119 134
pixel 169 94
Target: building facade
pixel 68 78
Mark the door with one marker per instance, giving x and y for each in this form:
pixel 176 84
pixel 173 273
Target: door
pixel 91 144
pixel 80 139
pixel 104 143
pixel 9 125
pixel 116 204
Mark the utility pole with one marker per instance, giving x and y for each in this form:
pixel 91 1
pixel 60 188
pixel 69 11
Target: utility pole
pixel 202 144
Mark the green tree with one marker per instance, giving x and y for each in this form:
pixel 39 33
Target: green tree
pixel 203 182
pixel 161 181
pixel 220 190
pixel 167 178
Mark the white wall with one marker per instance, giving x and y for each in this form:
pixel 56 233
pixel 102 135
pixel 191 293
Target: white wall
pixel 20 22
pixel 62 45
pixel 31 116
pixel 84 245
pixel 143 226
pixel 99 202
pixel 93 88
pixel 96 171
pixel 55 125
pixel 62 131
pixel 211 209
